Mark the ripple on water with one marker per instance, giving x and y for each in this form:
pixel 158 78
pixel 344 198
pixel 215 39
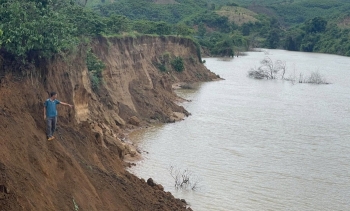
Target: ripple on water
pixel 260 145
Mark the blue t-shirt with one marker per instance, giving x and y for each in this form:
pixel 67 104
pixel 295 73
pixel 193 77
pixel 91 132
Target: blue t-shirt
pixel 50 105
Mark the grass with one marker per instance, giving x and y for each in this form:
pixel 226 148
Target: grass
pixel 165 2
pixel 238 15
pixel 344 23
pixel 92 3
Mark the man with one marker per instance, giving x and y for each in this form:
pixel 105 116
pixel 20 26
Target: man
pixel 50 114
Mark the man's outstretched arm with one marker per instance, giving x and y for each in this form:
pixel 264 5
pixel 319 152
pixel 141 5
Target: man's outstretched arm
pixel 66 104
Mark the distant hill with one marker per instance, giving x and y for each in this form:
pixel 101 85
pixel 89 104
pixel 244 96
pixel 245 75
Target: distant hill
pixel 171 11
pixel 238 15
pixel 91 3
pixel 165 1
pixel 344 22
pixel 227 26
pixel 294 12
pixel 288 12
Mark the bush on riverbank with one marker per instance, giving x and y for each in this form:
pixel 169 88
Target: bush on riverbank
pixel 95 67
pixel 178 64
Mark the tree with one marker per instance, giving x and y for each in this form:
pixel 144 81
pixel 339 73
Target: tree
pixel 290 44
pixel 309 41
pixel 268 69
pixel 212 6
pixel 87 22
pixel 224 47
pixel 316 25
pixel 184 178
pixel 201 29
pixel 151 27
pixel 35 29
pixel 182 29
pixel 162 28
pixel 273 39
pixel 246 29
pixel 118 23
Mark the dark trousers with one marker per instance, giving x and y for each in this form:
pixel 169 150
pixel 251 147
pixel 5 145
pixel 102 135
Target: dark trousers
pixel 51 125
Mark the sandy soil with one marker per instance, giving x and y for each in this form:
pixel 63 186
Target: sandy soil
pixel 83 168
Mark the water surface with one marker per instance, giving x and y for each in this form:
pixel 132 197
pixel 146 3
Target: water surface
pixel 258 144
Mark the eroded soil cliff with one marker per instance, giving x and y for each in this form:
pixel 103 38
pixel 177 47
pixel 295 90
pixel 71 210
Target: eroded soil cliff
pixel 83 168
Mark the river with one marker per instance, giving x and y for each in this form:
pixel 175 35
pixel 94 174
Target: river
pixel 259 144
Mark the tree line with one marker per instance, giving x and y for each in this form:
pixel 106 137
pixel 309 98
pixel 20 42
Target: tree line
pixel 42 28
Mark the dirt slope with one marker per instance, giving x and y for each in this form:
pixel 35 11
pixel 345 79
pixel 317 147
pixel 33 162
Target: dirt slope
pixel 83 169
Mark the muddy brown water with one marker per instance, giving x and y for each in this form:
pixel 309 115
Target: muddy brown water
pixel 258 144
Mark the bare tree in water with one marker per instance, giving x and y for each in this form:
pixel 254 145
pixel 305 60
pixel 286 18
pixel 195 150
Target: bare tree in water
pixel 277 70
pixel 184 178
pixel 269 69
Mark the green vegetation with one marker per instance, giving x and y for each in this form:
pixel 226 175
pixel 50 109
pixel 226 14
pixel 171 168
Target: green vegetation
pixel 198 19
pixel 95 67
pixel 297 25
pixel 296 12
pixel 23 32
pixel 163 62
pixel 317 35
pixel 178 64
pixel 36 29
pixel 151 27
pixel 0 37
pixel 161 67
pixel 39 28
pixel 238 15
pixel 147 10
pixel 170 62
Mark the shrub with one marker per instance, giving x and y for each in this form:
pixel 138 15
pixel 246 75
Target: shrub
pixel 192 60
pixel 188 86
pixel 166 57
pixel 232 4
pixel 316 78
pixel 198 50
pixel 32 29
pixel 161 67
pixel 178 64
pixel 95 67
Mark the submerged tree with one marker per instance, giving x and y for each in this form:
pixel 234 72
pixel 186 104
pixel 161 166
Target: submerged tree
pixel 277 70
pixel 184 178
pixel 269 69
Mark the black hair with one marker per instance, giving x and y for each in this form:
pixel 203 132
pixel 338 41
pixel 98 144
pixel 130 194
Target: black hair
pixel 52 94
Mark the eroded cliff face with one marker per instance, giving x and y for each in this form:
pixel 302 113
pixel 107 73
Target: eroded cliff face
pixel 83 166
pixel 132 83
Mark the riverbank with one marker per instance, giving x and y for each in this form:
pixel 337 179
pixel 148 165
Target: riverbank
pixel 137 153
pixel 83 167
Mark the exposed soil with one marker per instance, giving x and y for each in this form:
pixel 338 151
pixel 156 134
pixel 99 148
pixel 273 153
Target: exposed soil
pixel 83 168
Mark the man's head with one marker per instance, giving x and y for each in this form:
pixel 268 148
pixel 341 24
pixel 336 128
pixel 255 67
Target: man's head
pixel 53 95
